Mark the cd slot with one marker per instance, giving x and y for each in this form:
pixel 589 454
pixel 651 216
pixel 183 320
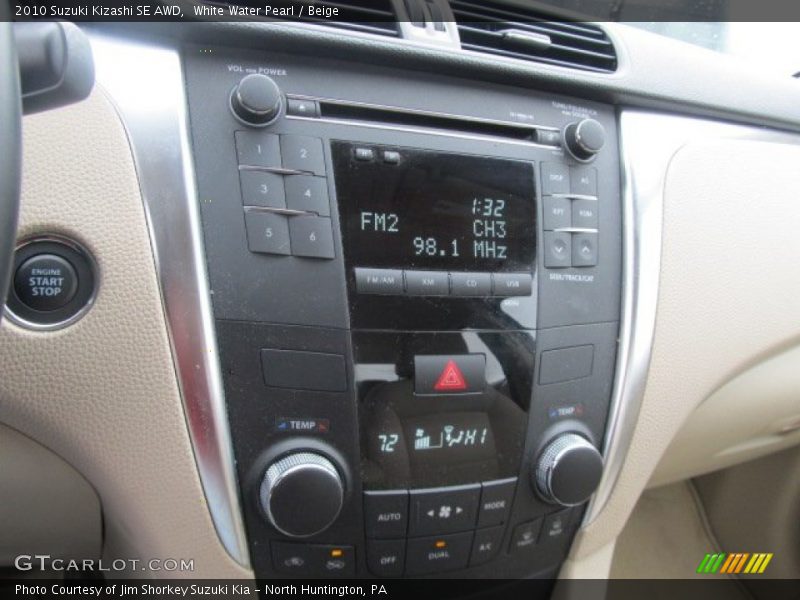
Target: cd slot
pixel 396 117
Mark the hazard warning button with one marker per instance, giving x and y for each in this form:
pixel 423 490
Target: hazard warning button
pixel 450 374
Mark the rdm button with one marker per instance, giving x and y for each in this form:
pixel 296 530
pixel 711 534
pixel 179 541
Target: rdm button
pixel 45 282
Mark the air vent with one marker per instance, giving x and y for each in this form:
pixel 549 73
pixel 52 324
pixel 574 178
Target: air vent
pixel 529 35
pixel 368 16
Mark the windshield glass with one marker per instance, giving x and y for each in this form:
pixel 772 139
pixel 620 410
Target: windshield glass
pixel 772 46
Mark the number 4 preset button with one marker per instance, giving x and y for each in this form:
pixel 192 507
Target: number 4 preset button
pixel 311 237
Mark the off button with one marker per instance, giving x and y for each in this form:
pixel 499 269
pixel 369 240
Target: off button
pixel 45 282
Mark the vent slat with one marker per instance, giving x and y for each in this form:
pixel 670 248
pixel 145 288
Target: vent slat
pixel 575 45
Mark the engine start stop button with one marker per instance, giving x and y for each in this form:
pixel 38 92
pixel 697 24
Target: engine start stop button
pixel 45 282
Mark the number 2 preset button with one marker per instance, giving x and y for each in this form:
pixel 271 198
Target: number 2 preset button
pixel 312 237
pixel 267 232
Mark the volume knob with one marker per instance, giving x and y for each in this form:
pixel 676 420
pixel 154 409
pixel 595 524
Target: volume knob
pixel 302 494
pixel 256 100
pixel 568 470
pixel 584 139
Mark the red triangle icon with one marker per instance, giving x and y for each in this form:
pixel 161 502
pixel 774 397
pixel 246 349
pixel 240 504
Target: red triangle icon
pixel 451 379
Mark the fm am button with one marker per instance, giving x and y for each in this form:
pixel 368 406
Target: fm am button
pixel 443 374
pixel 379 281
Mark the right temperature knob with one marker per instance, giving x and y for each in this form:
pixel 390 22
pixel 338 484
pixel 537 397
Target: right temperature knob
pixel 584 138
pixel 568 470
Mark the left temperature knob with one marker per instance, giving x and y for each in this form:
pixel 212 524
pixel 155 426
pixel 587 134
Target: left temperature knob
pixel 302 494
pixel 256 100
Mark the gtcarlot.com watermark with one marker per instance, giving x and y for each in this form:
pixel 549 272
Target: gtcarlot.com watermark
pixel 45 562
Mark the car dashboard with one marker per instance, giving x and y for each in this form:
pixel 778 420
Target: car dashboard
pixel 393 301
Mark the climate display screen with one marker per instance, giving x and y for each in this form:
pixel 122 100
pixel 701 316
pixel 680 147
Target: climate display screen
pixel 437 211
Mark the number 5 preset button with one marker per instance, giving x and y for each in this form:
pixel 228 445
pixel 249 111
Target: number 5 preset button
pixel 312 237
pixel 267 232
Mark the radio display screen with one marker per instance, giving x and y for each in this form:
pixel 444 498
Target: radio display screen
pixel 422 209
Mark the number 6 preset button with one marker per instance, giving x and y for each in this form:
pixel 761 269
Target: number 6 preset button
pixel 267 232
pixel 311 237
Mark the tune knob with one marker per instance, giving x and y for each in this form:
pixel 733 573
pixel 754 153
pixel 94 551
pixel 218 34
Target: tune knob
pixel 256 100
pixel 584 138
pixel 568 470
pixel 302 494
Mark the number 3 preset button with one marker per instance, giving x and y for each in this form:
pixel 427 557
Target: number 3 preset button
pixel 312 237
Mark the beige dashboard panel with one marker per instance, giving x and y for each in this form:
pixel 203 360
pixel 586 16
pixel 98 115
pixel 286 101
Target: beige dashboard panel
pixel 727 294
pixel 754 414
pixel 48 507
pixel 102 393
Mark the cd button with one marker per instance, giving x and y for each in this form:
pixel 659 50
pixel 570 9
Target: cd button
pixel 379 281
pixel 512 284
pixel 445 510
pixel 427 283
pixel 386 513
pixel 437 554
pixel 471 284
pixel 450 374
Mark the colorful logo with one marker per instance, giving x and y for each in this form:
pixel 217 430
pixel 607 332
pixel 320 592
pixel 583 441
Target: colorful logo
pixel 734 563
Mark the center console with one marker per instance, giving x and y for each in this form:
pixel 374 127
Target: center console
pixel 416 288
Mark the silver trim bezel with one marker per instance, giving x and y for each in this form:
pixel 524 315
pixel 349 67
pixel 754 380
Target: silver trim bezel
pixel 145 82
